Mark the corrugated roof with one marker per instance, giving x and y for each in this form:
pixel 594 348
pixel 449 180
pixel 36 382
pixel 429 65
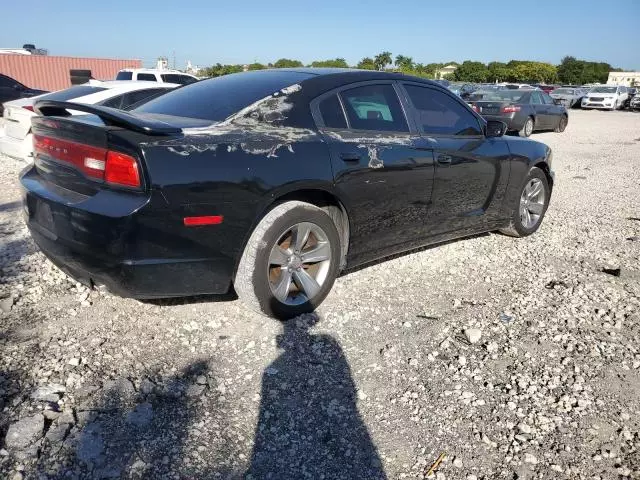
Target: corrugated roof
pixel 52 73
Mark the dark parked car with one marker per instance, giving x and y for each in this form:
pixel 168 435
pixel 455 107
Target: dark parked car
pixel 272 182
pixel 524 111
pixel 11 89
pixel 633 91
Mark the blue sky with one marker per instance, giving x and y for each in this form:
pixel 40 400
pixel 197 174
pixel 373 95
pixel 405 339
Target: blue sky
pixel 210 31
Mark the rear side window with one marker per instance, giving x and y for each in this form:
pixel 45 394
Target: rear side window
pixel 115 102
pixel 71 93
pixel 331 112
pixel 177 78
pixel 438 114
pixel 146 77
pixel 374 107
pixel 132 99
pixel 218 98
pixel 124 76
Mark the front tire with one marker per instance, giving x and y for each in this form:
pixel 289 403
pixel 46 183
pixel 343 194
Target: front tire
pixel 527 129
pixel 290 261
pixel 531 205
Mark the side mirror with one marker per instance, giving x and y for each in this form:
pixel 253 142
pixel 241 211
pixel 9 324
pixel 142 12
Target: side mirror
pixel 495 128
pixel 557 101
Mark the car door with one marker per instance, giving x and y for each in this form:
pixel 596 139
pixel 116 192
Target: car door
pixel 540 110
pixel 553 111
pixel 471 171
pixel 382 172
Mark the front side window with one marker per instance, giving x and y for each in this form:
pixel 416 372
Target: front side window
pixel 438 114
pixel 331 112
pixel 148 77
pixel 547 99
pixel 535 98
pixel 374 107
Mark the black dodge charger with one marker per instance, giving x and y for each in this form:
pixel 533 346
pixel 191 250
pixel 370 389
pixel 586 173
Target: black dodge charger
pixel 272 182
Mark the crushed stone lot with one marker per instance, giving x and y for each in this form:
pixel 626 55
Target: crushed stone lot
pixel 517 358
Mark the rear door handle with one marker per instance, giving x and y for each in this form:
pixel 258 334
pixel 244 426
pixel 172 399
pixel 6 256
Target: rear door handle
pixel 444 159
pixel 350 157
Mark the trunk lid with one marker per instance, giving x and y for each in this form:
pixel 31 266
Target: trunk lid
pixel 17 120
pixel 486 107
pixel 88 153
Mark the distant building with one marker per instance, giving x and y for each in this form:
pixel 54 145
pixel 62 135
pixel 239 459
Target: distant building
pixel 192 69
pixel 440 73
pixel 162 63
pixel 49 72
pixel 628 79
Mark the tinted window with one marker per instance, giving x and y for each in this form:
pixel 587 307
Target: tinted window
pixel 535 98
pixel 71 93
pixel 374 107
pixel 7 82
pixel 115 102
pixel 124 76
pixel 438 113
pixel 177 78
pixel 547 99
pixel 218 98
pixel 132 99
pixel 146 77
pixel 332 113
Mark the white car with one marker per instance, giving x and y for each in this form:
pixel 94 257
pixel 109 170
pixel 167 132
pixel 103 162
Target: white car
pixel 608 97
pixel 155 75
pixel 15 124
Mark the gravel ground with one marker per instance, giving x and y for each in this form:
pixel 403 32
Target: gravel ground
pixel 516 358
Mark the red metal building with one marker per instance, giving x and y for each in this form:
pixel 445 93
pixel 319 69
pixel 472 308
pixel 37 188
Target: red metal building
pixel 52 73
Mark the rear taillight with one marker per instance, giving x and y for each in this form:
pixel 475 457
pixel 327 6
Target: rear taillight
pixel 510 109
pixel 28 107
pixel 115 168
pixel 121 169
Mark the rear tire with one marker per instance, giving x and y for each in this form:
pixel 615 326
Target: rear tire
pixel 294 249
pixel 527 129
pixel 562 124
pixel 529 207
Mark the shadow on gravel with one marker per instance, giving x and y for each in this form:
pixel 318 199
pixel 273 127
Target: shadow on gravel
pixel 10 206
pixel 309 425
pixel 149 433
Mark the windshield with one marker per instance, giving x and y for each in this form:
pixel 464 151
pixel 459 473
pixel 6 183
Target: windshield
pixel 564 91
pixel 218 98
pixel 71 93
pixel 603 90
pixel 500 95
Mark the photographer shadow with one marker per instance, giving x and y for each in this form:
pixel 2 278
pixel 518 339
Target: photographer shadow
pixel 309 425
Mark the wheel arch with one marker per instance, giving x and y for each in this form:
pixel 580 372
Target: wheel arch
pixel 319 196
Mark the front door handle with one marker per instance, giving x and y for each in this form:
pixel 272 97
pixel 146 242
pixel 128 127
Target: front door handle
pixel 444 159
pixel 350 157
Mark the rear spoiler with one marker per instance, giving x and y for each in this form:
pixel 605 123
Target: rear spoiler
pixel 110 116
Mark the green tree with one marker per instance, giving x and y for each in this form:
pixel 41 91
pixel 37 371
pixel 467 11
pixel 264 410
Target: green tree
pixel 287 63
pixel 382 60
pixel 497 72
pixel 404 63
pixel 366 63
pixel 219 69
pixel 471 71
pixel 256 66
pixel 335 63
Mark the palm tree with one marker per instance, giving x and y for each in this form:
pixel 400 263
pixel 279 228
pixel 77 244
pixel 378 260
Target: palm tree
pixel 382 60
pixel 404 63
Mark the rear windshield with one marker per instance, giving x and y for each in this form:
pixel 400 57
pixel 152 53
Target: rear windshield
pixel 218 98
pixel 70 93
pixel 564 91
pixel 124 76
pixel 177 78
pixel 502 95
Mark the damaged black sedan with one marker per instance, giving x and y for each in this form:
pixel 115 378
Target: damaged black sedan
pixel 272 183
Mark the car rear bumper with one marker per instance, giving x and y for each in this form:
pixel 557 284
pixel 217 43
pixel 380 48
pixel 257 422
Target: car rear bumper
pixel 125 250
pixel 513 122
pixel 16 148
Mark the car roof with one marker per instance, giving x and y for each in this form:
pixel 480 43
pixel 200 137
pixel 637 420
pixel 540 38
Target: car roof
pixel 154 70
pixel 132 84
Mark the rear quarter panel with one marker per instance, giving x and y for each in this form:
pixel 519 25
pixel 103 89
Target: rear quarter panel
pixel 525 153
